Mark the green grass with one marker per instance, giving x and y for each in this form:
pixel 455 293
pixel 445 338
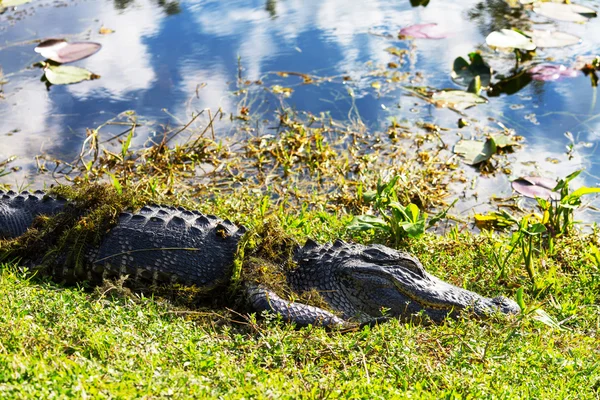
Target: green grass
pixel 64 342
pixel 67 342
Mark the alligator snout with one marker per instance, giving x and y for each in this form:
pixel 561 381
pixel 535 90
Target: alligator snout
pixel 505 306
pixel 402 288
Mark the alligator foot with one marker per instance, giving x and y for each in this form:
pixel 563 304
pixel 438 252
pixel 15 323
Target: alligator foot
pixel 263 299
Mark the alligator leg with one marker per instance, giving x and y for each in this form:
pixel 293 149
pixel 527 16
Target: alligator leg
pixel 263 299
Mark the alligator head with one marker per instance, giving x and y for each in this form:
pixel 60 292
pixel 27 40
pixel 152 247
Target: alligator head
pixel 365 281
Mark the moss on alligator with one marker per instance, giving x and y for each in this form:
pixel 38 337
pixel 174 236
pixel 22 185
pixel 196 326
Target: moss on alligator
pixel 264 255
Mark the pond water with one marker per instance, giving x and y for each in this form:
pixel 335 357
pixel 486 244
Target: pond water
pixel 167 60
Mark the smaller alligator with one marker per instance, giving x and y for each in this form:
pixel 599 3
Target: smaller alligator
pixel 165 245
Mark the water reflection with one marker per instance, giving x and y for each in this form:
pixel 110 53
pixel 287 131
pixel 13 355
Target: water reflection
pixel 493 15
pixel 185 56
pixel 170 7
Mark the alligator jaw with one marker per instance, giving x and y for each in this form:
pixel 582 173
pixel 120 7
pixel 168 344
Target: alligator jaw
pixel 405 291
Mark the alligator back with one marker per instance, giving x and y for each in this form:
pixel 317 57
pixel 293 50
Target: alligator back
pixel 18 210
pixel 160 244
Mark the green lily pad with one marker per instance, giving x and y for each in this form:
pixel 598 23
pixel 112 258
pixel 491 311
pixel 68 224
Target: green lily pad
pixel 504 140
pixel 475 151
pixel 457 99
pixel 564 12
pixel 509 39
pixel 12 3
pixel 544 39
pixel 66 75
pixel 463 71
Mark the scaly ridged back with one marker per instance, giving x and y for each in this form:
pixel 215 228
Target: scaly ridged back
pixel 18 210
pixel 160 244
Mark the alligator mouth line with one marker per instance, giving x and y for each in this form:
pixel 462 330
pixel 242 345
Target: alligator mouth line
pixel 439 306
pixel 425 303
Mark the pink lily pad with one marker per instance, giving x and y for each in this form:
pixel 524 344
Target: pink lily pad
pixel 548 72
pixel 61 51
pixel 535 186
pixel 421 31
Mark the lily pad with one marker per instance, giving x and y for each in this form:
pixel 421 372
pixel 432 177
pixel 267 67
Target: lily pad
pixel 535 186
pixel 549 72
pixel 457 99
pixel 66 75
pixel 463 71
pixel 12 3
pixel 546 38
pixel 564 12
pixel 509 39
pixel 421 31
pixel 61 51
pixel 502 140
pixel 475 151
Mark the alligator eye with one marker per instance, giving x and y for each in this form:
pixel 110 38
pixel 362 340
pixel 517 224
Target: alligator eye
pixel 376 254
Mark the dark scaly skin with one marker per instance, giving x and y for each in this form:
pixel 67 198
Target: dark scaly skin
pixel 161 244
pixel 367 282
pixel 18 210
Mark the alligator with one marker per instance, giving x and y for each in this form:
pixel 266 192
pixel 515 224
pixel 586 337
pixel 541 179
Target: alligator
pixel 162 244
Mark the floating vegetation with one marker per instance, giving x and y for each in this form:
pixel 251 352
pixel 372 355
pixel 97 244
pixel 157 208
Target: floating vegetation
pixel 63 52
pixel 422 31
pixel 509 39
pixel 548 72
pixel 66 74
pixel 536 186
pixel 464 72
pixel 569 12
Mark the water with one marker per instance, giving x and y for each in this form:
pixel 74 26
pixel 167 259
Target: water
pixel 167 60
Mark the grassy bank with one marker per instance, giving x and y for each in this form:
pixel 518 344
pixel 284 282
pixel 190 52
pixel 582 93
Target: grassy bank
pixel 60 341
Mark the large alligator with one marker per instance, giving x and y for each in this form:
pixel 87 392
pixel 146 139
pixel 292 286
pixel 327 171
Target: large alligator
pixel 162 245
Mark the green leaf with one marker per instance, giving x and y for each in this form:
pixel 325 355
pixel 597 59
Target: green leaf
pixel 413 212
pixel 370 196
pixel 66 75
pixel 583 191
pixel 549 38
pixel 456 99
pixel 13 3
pixel 564 183
pixel 573 175
pixel 535 229
pixel 126 144
pixel 464 72
pixel 116 184
pixel 546 319
pixel 509 39
pixel 366 222
pixel 502 140
pixel 495 219
pixel 414 230
pixel 520 300
pixel 475 151
pixel 475 85
pixel 440 215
